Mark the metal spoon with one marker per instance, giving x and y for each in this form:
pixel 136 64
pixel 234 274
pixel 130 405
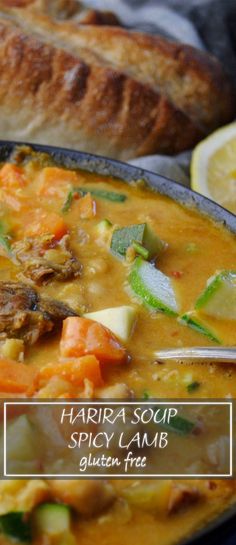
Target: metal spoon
pixel 200 354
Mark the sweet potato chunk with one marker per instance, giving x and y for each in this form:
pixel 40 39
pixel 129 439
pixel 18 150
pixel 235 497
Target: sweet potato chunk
pixel 75 371
pixel 40 222
pixel 12 176
pixel 55 181
pixel 17 378
pixel 81 336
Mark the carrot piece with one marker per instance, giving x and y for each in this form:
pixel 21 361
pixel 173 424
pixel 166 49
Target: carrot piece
pixel 12 181
pixel 16 203
pixel 17 377
pixel 82 336
pixel 41 222
pixel 56 181
pixel 74 371
pixel 86 207
pixel 12 176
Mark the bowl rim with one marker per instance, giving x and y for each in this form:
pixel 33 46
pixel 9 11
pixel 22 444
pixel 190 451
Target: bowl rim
pixel 106 166
pixel 226 520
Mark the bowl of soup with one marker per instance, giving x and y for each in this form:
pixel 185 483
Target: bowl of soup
pixel 101 265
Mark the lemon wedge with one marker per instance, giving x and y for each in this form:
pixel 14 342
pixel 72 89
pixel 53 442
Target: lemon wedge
pixel 213 167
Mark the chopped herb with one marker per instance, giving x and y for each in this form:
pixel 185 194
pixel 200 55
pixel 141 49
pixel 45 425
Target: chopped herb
pixel 68 202
pixel 191 248
pixel 2 228
pixel 193 386
pixel 5 239
pixel 179 424
pixel 5 243
pixel 101 194
pixel 16 527
pixel 146 395
pixel 139 249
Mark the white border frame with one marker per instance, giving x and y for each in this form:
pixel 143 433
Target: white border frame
pixel 121 475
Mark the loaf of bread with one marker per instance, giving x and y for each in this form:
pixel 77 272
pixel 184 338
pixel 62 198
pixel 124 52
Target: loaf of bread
pixel 66 9
pixel 105 89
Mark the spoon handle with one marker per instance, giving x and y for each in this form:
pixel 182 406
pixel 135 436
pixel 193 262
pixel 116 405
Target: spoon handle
pixel 220 354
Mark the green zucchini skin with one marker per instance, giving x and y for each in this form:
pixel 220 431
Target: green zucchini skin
pixel 111 196
pixel 180 425
pixel 102 194
pixel 49 519
pixel 219 297
pixel 124 237
pixel 141 235
pixel 17 526
pixel 146 290
pixel 195 324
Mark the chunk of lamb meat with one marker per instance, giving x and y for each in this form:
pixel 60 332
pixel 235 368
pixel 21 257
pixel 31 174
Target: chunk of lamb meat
pixel 26 315
pixel 182 496
pixel 43 260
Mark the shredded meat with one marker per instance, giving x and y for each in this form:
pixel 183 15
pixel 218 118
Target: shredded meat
pixel 42 260
pixel 26 315
pixel 182 496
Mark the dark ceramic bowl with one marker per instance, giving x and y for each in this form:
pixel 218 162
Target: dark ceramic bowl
pixel 128 173
pixel 222 530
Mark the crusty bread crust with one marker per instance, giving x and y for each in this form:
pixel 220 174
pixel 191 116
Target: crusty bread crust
pixel 45 6
pixel 193 81
pixel 66 9
pixel 105 90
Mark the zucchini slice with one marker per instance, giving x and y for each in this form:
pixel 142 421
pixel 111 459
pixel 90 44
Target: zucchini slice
pixel 104 230
pixel 153 287
pixel 219 297
pixel 103 226
pixel 190 320
pixel 52 519
pixel 139 233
